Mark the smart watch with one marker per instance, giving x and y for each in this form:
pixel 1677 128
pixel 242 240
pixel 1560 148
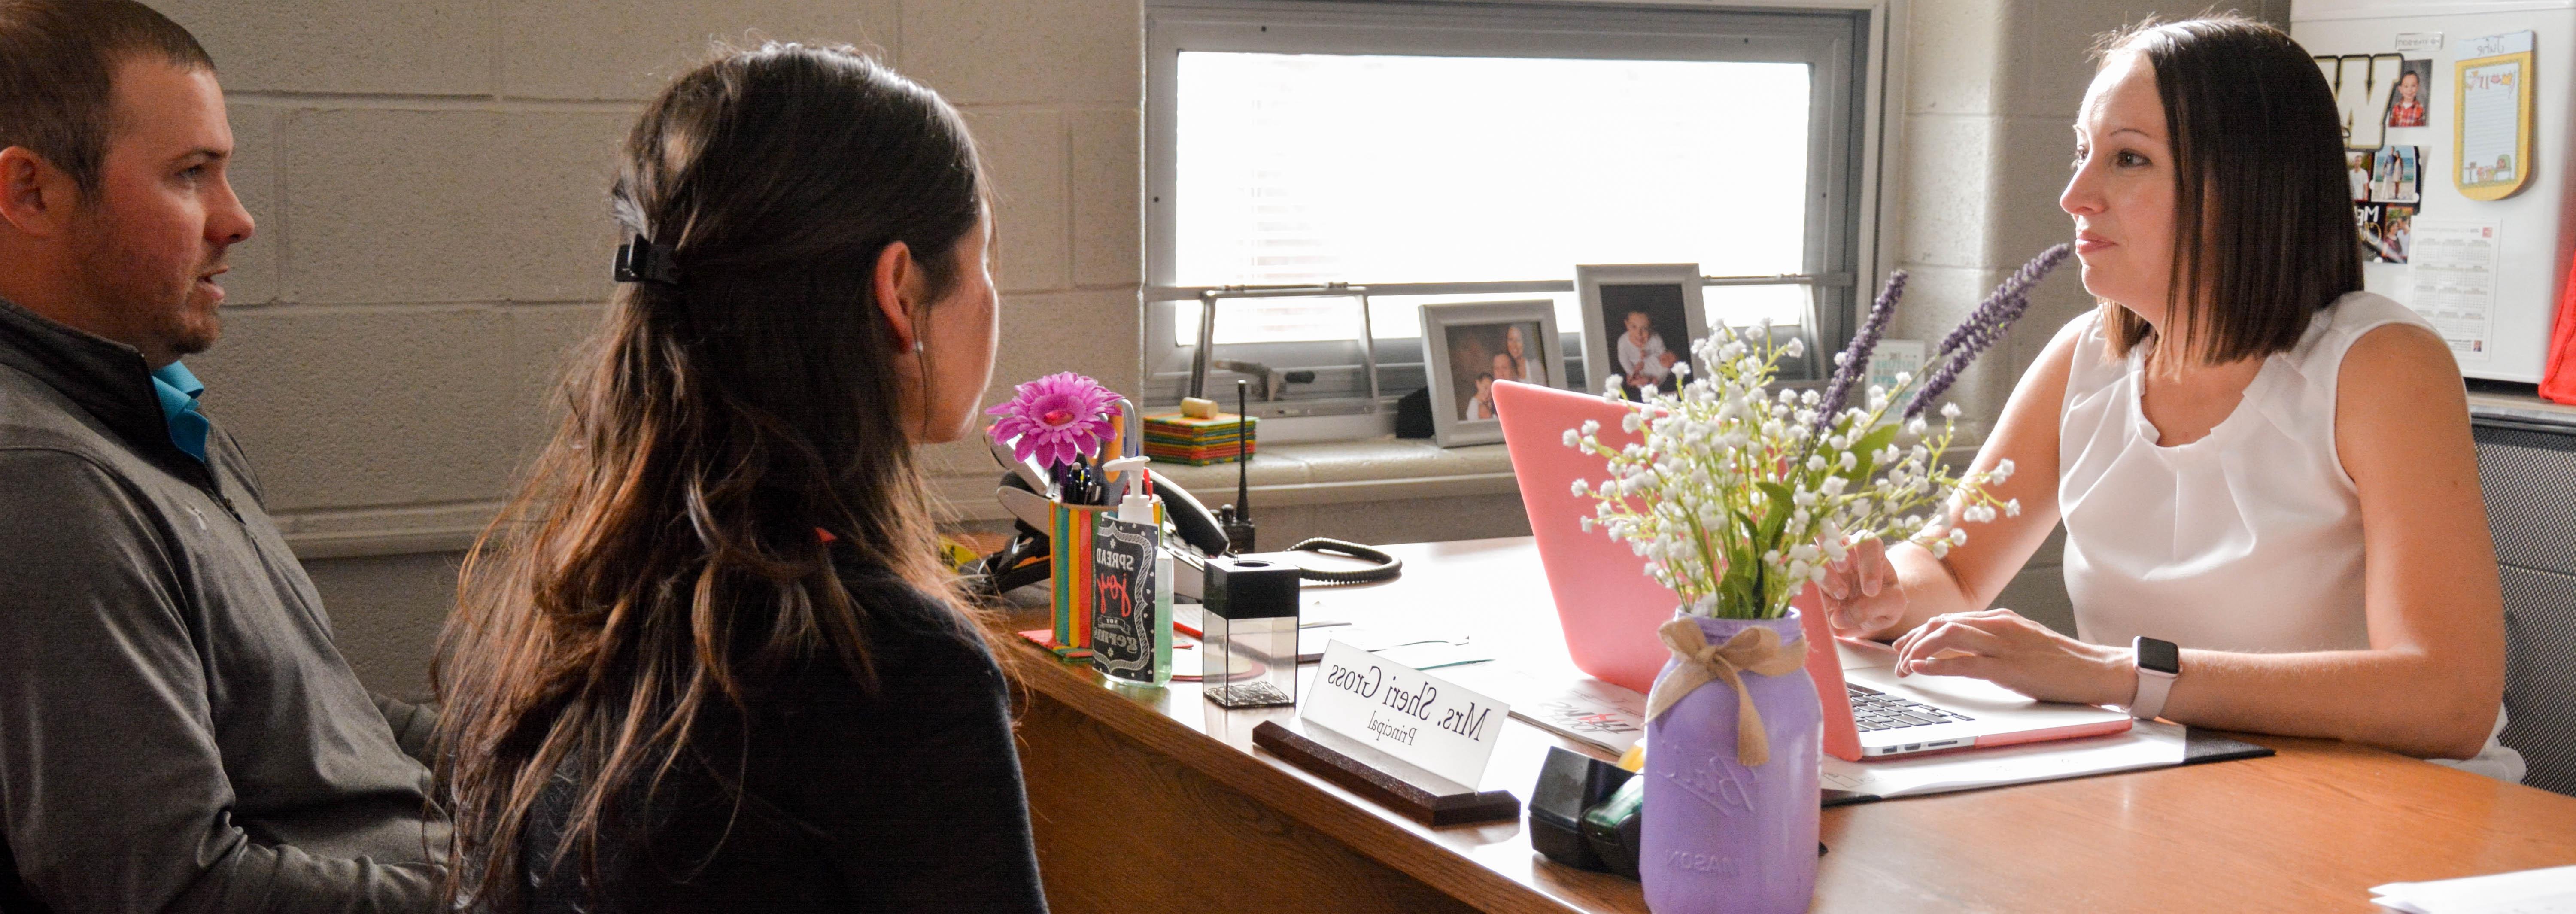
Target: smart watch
pixel 2159 661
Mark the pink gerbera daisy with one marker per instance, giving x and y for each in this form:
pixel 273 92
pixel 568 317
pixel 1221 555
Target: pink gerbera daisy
pixel 1056 419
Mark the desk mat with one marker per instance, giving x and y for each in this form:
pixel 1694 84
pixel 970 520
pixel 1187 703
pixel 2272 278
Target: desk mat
pixel 2198 746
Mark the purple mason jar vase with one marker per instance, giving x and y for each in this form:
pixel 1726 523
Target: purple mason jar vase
pixel 1720 836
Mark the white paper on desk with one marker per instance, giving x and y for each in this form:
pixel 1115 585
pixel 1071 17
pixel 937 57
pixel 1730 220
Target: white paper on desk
pixel 1575 706
pixel 2149 744
pixel 2549 891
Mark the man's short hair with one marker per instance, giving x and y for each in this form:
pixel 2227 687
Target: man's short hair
pixel 58 61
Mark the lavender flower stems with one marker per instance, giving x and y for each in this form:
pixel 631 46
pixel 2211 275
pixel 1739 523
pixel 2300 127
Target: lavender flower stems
pixel 1984 326
pixel 1856 356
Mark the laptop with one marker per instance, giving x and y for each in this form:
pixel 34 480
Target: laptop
pixel 1610 609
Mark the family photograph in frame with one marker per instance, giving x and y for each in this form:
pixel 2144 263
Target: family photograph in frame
pixel 1468 347
pixel 1638 323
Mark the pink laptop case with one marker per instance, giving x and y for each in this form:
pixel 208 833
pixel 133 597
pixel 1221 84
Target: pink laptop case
pixel 1605 601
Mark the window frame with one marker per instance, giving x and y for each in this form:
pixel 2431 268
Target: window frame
pixel 1843 43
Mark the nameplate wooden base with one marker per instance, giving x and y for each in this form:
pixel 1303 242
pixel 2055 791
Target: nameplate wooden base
pixel 1416 794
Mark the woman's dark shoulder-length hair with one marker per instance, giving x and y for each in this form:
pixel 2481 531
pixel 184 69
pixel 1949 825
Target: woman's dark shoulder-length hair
pixel 2263 228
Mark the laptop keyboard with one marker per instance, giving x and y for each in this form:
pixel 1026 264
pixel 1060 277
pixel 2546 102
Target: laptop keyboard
pixel 1875 710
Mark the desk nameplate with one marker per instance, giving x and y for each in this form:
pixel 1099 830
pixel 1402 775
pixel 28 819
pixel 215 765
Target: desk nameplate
pixel 1417 794
pixel 1401 711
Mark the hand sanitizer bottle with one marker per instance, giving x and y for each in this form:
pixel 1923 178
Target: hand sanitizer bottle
pixel 1139 648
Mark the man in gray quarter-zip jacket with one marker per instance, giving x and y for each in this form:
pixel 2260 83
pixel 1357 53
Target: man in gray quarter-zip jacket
pixel 177 730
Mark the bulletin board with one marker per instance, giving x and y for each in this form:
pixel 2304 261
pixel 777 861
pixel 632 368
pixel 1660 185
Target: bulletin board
pixel 2491 135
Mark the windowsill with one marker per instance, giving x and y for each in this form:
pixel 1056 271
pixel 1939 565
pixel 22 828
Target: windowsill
pixel 1317 473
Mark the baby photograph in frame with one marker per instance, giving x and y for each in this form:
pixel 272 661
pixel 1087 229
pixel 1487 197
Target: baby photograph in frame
pixel 1638 323
pixel 1468 347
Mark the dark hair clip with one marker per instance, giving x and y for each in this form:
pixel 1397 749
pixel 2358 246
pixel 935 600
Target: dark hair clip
pixel 640 260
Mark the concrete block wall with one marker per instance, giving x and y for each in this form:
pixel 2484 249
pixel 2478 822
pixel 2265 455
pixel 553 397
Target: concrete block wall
pixel 1992 88
pixel 430 182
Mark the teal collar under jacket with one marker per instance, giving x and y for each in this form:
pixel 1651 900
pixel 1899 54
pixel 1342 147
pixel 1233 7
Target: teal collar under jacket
pixel 178 390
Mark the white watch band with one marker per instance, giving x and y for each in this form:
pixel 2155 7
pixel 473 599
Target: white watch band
pixel 2153 686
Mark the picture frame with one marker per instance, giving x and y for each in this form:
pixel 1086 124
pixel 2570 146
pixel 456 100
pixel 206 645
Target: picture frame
pixel 1666 294
pixel 1458 338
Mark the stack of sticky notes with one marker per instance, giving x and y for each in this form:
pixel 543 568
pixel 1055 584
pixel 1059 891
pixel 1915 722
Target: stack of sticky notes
pixel 1199 437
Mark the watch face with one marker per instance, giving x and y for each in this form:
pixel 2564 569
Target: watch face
pixel 2160 656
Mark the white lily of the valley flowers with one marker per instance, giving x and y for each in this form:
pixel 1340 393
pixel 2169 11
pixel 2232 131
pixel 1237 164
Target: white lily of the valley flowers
pixel 1697 494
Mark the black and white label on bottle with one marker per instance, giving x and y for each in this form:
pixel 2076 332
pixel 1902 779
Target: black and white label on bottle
pixel 1123 627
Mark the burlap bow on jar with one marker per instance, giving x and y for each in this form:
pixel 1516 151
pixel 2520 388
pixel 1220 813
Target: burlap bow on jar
pixel 1697 663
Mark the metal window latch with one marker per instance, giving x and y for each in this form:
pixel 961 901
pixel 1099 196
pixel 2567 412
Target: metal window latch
pixel 1272 381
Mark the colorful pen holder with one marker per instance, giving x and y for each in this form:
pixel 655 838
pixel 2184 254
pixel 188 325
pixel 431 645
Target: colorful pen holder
pixel 1069 534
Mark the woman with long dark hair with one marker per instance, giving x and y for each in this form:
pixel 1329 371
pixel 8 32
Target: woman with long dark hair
pixel 2266 475
pixel 707 660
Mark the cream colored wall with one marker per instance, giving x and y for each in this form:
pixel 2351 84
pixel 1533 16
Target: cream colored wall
pixel 430 181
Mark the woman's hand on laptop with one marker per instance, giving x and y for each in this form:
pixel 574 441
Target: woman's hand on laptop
pixel 2000 646
pixel 1861 596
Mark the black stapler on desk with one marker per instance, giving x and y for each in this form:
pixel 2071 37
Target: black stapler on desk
pixel 1589 814
pixel 1584 813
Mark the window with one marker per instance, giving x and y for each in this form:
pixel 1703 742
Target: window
pixel 1452 152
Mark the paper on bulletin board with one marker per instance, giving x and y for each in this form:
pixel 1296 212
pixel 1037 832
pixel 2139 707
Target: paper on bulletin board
pixel 2491 141
pixel 1892 358
pixel 2455 268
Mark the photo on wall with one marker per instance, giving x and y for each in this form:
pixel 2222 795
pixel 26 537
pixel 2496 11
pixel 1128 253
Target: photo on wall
pixel 2387 230
pixel 2356 166
pixel 2406 102
pixel 1468 347
pixel 1638 323
pixel 2394 175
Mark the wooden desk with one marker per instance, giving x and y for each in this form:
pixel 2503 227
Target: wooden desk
pixel 1157 794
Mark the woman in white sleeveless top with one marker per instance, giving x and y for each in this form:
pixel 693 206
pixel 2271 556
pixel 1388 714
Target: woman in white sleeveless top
pixel 2274 473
